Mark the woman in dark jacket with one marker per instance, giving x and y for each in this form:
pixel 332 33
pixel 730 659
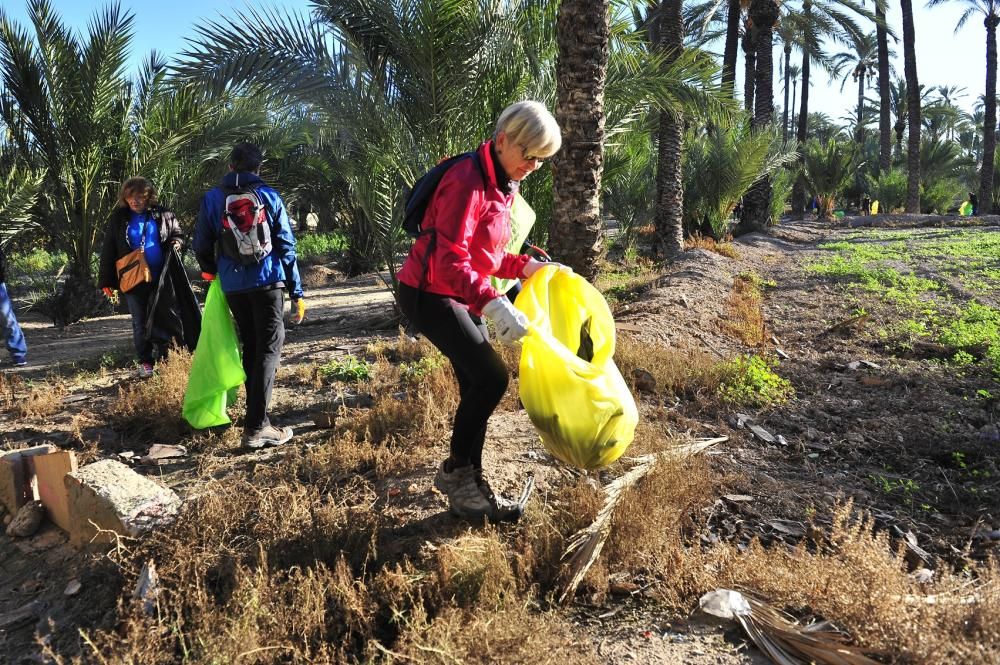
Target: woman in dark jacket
pixel 445 290
pixel 138 220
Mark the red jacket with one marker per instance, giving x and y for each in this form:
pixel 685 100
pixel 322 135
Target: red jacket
pixel 472 228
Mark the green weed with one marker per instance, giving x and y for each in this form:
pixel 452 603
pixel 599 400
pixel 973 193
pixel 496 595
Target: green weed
pixel 750 381
pixel 348 369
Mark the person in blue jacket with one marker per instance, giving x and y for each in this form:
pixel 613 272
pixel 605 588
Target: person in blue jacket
pixel 136 220
pixel 243 236
pixel 12 333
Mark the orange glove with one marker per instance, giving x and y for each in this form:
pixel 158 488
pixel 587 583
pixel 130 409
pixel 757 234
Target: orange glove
pixel 207 276
pixel 300 310
pixel 109 293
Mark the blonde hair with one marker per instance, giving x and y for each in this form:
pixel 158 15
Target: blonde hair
pixel 138 185
pixel 530 125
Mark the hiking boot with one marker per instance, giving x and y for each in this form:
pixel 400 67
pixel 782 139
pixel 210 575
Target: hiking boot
pixel 465 498
pixel 267 436
pixel 145 370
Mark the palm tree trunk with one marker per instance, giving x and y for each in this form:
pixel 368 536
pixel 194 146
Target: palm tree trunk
pixel 795 95
pixel 859 134
pixel 990 117
pixel 582 36
pixel 884 129
pixel 764 14
pixel 912 109
pixel 799 187
pixel 749 65
pixel 784 114
pixel 669 221
pixel 732 48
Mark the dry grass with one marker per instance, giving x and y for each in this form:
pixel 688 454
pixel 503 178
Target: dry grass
pixel 858 581
pixel 724 247
pixel 28 399
pixel 151 408
pixel 513 635
pixel 745 308
pixel 677 371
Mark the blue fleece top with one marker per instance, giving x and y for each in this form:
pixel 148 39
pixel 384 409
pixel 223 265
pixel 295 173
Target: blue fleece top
pixel 279 268
pixel 138 222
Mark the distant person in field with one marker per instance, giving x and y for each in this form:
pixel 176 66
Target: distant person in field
pixel 866 205
pixel 138 221
pixel 974 200
pixel 445 291
pixel 243 235
pixel 12 334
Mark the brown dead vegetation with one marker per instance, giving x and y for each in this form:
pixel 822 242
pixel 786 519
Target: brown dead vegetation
pixel 151 408
pixel 722 247
pixel 298 561
pixel 745 308
pixel 29 399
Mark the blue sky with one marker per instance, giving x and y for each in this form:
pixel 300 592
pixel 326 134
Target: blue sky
pixel 943 58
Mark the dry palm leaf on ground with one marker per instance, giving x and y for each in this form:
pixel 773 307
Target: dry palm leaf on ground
pixel 586 544
pixel 784 640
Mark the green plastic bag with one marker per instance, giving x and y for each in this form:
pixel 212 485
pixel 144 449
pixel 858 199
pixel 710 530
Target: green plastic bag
pixel 522 218
pixel 216 369
pixel 965 210
pixel 569 384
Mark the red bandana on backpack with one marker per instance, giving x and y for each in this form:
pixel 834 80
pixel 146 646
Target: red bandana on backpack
pixel 246 233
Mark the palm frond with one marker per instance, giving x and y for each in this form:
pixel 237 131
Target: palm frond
pixel 586 544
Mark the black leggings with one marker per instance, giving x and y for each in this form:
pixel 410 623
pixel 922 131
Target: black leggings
pixel 481 373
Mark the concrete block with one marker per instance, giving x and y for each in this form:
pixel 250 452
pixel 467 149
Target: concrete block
pixel 50 470
pixel 17 480
pixel 108 496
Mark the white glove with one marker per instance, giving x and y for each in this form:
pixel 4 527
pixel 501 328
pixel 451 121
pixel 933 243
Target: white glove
pixel 511 323
pixel 533 266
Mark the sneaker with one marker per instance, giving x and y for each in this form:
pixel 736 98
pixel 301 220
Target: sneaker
pixel 19 363
pixel 145 370
pixel 267 436
pixel 464 487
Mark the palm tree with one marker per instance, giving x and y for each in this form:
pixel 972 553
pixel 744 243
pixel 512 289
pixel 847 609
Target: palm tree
pixel 66 109
pixel 884 107
pixel 720 165
pixel 583 35
pixel 860 63
pixel 821 19
pixel 669 177
pixel 990 9
pixel 763 15
pixel 794 72
pixel 828 168
pixel 912 109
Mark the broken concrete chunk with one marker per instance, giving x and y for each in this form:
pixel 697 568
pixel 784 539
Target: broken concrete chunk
pixel 108 498
pixel 50 470
pixel 27 520
pixel 762 434
pixel 17 485
pixel 147 588
pixel 158 452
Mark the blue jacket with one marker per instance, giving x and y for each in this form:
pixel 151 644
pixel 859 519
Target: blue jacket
pixel 278 266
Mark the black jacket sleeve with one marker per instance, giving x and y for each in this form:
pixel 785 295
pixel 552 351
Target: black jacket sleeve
pixel 107 275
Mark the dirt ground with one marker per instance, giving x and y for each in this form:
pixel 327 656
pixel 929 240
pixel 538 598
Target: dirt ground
pixel 864 419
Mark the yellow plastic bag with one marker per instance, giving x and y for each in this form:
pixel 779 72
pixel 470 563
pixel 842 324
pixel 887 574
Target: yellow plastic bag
pixel 570 386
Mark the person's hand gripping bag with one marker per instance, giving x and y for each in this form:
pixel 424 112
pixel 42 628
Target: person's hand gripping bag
pixel 569 384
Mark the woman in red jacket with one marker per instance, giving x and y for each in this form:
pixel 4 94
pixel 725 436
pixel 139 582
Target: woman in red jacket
pixel 444 287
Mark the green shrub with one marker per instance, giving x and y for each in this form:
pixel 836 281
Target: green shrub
pixel 348 369
pixel 889 190
pixel 37 263
pixel 750 381
pixel 940 197
pixel 318 247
